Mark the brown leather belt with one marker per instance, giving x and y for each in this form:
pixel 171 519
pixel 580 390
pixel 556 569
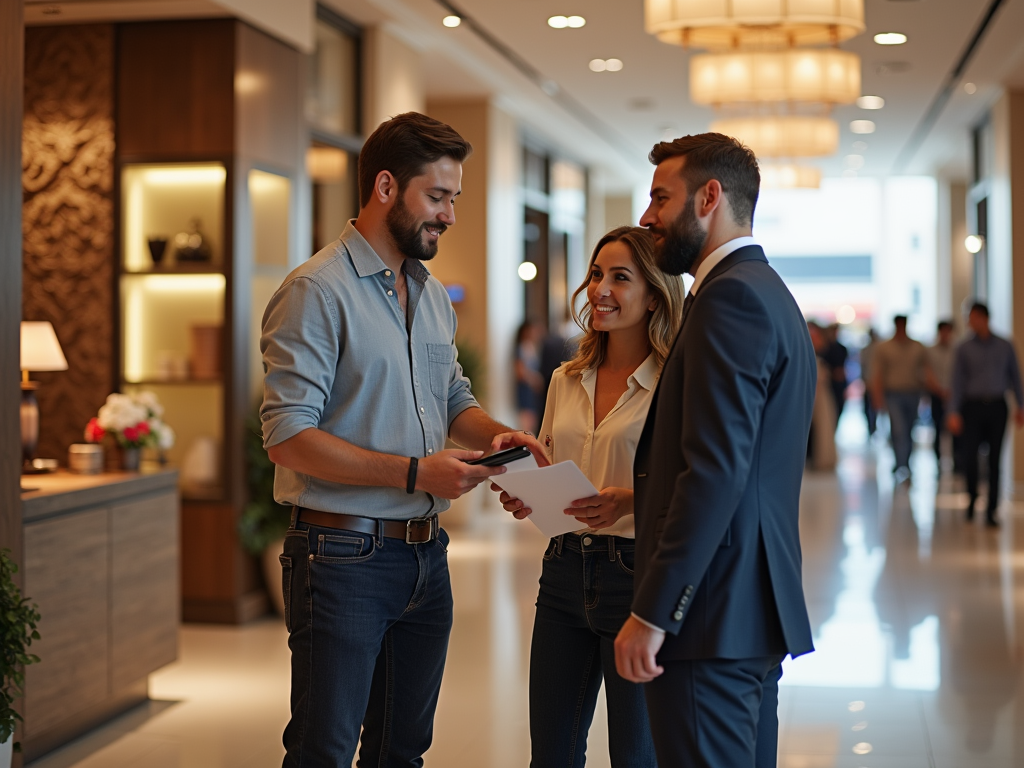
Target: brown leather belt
pixel 419 530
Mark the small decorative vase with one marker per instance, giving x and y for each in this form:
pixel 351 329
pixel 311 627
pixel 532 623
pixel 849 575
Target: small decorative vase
pixel 157 248
pixel 130 458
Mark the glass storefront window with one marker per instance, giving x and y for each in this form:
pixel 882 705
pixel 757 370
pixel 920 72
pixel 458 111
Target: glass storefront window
pixel 331 98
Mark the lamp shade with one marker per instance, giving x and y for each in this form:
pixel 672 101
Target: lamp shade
pixel 729 24
pixel 790 176
pixel 40 350
pixel 819 75
pixel 783 136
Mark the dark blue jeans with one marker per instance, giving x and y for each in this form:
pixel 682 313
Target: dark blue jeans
pixel 586 589
pixel 368 621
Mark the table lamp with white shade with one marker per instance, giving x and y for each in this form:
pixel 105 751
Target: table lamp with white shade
pixel 40 351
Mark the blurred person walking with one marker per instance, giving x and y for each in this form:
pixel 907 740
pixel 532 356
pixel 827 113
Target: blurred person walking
pixel 864 358
pixel 821 443
pixel 940 384
pixel 529 380
pixel 984 368
pixel 899 372
pixel 719 598
pixel 835 356
pixel 595 411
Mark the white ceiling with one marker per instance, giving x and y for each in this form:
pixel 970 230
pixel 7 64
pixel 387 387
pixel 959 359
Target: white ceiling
pixel 649 97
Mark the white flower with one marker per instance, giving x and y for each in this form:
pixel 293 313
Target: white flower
pixel 121 412
pixel 164 436
pixel 149 401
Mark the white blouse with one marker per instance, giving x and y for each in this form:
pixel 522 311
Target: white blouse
pixel 605 455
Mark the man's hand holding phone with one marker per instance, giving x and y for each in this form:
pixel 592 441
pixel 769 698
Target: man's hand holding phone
pixel 449 474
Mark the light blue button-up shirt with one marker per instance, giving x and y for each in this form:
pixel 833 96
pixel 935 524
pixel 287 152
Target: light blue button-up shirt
pixel 340 356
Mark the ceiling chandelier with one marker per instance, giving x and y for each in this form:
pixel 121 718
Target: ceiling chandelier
pixel 783 135
pixel 789 176
pixel 824 75
pixel 725 24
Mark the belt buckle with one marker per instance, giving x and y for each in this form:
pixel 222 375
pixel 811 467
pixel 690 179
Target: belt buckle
pixel 431 522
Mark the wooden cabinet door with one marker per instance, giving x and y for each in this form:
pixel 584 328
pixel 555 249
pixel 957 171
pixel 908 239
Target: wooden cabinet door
pixel 145 599
pixel 67 575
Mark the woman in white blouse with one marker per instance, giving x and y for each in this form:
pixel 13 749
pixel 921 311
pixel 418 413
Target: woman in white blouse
pixel 596 407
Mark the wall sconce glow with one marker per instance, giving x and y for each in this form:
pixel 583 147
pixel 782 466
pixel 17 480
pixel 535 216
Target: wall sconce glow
pixel 451 21
pixel 890 38
pixel 527 271
pixel 870 102
pixel 862 126
pixel 561 22
pixel 970 88
pixel 846 314
pixel 974 243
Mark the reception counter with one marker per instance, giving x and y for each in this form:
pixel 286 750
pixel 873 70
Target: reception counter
pixel 101 561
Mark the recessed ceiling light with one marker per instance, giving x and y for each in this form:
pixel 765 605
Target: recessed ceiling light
pixel 451 21
pixel 860 146
pixel 862 126
pixel 854 161
pixel 970 87
pixel 613 65
pixel 598 65
pixel 890 38
pixel 561 22
pixel 870 102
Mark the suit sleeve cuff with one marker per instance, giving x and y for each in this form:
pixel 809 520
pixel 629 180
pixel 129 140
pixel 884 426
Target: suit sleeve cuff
pixel 646 623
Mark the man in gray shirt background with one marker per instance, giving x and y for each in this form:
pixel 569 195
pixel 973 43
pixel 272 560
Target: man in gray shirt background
pixel 362 388
pixel 985 367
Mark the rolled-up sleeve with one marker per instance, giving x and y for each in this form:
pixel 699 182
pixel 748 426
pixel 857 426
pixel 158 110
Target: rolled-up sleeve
pixel 460 394
pixel 300 344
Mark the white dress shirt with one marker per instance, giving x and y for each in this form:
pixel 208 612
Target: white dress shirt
pixel 605 453
pixel 716 256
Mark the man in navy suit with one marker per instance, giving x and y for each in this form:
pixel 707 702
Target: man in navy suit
pixel 718 599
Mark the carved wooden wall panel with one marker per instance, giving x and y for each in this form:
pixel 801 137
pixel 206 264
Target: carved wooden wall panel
pixel 68 219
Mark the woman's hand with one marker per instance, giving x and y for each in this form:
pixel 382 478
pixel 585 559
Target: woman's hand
pixel 604 509
pixel 512 504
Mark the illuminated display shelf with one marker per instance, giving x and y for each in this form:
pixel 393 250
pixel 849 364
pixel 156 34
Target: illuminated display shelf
pixel 167 305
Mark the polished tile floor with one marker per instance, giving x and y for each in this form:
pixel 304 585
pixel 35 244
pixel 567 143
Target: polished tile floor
pixel 918 663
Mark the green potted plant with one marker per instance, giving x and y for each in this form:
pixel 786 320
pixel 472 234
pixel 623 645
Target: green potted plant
pixel 263 523
pixel 18 619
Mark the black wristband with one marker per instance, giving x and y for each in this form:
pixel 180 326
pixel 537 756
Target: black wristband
pixel 410 483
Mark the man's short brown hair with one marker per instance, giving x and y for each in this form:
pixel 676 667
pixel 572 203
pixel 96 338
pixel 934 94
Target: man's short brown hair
pixel 716 156
pixel 404 145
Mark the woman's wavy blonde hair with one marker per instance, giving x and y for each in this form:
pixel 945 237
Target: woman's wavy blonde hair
pixel 665 319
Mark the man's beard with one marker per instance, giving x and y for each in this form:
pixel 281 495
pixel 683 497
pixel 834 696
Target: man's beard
pixel 407 234
pixel 683 241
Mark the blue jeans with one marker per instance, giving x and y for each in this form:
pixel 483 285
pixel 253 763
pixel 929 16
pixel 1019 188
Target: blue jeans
pixel 586 589
pixel 368 621
pixel 902 413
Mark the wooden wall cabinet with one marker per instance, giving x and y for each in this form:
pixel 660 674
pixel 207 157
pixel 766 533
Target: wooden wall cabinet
pixel 101 562
pixel 228 107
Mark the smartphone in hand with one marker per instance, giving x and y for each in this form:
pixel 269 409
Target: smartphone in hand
pixel 502 457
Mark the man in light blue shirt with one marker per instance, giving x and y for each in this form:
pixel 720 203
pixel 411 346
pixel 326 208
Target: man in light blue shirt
pixel 362 388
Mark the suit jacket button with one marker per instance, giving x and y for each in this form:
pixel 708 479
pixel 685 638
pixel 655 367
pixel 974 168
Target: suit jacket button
pixel 678 615
pixel 689 590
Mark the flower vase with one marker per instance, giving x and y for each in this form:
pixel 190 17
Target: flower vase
pixel 130 458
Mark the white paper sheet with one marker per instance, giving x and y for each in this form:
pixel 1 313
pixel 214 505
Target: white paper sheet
pixel 548 491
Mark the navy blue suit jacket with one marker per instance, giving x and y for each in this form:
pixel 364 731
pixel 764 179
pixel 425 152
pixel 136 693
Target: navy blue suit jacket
pixel 718 471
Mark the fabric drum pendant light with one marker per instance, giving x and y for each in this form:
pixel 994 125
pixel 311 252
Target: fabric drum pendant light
pixel 736 24
pixel 828 76
pixel 783 136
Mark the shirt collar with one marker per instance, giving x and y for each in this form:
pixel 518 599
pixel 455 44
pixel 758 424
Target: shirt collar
pixel 715 257
pixel 367 262
pixel 646 375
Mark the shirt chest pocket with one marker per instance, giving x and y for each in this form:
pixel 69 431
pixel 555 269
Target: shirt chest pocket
pixel 439 360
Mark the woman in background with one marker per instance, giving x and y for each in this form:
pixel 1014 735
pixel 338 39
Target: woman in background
pixel 596 407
